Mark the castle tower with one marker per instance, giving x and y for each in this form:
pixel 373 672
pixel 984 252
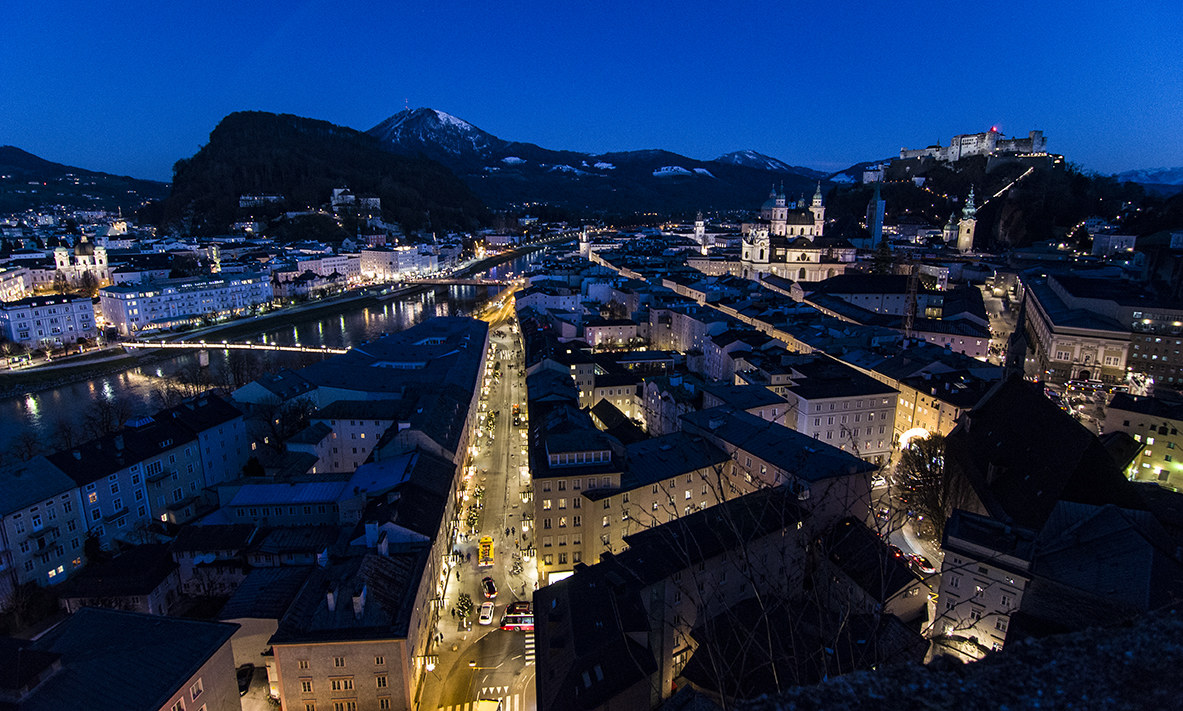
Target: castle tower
pixel 969 221
pixel 584 243
pixel 819 211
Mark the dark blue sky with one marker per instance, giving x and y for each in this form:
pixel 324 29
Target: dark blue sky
pixel 130 87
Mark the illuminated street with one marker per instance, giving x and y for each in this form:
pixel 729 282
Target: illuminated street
pixel 478 661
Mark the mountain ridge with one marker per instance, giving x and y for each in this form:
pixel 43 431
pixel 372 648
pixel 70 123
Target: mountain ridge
pixel 67 185
pixel 513 173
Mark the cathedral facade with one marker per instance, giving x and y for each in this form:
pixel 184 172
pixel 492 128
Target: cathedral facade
pixel 788 241
pixel 85 258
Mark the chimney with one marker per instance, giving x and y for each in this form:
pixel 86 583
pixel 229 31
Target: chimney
pixel 371 534
pixel 359 602
pixel 331 599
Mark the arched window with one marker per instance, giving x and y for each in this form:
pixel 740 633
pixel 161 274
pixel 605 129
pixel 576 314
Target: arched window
pixel 801 274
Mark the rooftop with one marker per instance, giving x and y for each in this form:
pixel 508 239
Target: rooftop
pixel 790 451
pixel 123 661
pixel 136 571
pixel 23 484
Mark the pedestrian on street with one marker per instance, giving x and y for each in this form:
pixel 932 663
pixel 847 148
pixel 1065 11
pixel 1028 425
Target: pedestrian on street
pixel 513 530
pixel 507 533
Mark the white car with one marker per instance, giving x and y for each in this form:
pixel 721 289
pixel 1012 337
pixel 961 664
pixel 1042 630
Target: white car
pixel 486 616
pixel 878 480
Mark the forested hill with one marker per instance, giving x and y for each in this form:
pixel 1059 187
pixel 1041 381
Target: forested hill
pixel 304 160
pixel 1048 203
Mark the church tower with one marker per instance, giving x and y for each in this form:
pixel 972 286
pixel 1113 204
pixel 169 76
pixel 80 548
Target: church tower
pixel 584 243
pixel 819 212
pixel 969 220
pixel 949 234
pixel 700 233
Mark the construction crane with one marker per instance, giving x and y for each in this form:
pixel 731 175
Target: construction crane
pixel 911 305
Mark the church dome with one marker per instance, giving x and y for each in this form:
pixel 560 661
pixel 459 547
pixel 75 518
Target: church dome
pixel 83 248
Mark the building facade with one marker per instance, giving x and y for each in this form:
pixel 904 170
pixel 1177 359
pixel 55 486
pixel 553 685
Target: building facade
pixel 48 321
pixel 41 525
pixel 132 308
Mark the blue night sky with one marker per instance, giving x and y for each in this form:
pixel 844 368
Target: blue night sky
pixel 130 87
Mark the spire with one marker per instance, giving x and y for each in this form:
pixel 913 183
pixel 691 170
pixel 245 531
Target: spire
pixel 817 196
pixel 969 211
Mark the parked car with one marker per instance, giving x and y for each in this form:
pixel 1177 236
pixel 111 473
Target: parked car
pixel 489 588
pixel 244 673
pixel 895 550
pixel 486 616
pixel 922 564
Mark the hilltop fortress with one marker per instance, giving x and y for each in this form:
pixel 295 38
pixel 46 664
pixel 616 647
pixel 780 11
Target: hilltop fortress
pixel 979 144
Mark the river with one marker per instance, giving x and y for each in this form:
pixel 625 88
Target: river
pixel 47 412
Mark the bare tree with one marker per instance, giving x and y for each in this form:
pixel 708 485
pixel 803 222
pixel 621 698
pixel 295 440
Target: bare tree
pixel 932 486
pixel 105 416
pixel 61 283
pixel 26 445
pixel 88 284
pixel 66 433
pixel 277 421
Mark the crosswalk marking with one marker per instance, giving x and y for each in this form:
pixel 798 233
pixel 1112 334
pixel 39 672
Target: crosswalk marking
pixel 509 702
pixel 529 648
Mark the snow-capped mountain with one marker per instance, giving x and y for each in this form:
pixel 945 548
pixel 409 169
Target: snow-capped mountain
pixel 434 132
pixel 1153 176
pixel 755 159
pixel 508 172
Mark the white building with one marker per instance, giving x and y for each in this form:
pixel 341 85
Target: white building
pixel 1105 244
pixel 384 264
pixel 15 283
pixel 134 307
pixel 48 321
pixel 347 265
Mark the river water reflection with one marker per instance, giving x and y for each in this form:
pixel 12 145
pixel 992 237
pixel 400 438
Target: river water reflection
pixel 44 411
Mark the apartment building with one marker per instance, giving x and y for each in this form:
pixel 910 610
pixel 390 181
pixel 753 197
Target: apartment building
pixel 42 528
pixel 580 517
pixel 840 406
pixel 132 308
pixel 384 264
pixel 933 403
pixel 149 471
pixel 48 321
pixel 986 569
pixel 1155 423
